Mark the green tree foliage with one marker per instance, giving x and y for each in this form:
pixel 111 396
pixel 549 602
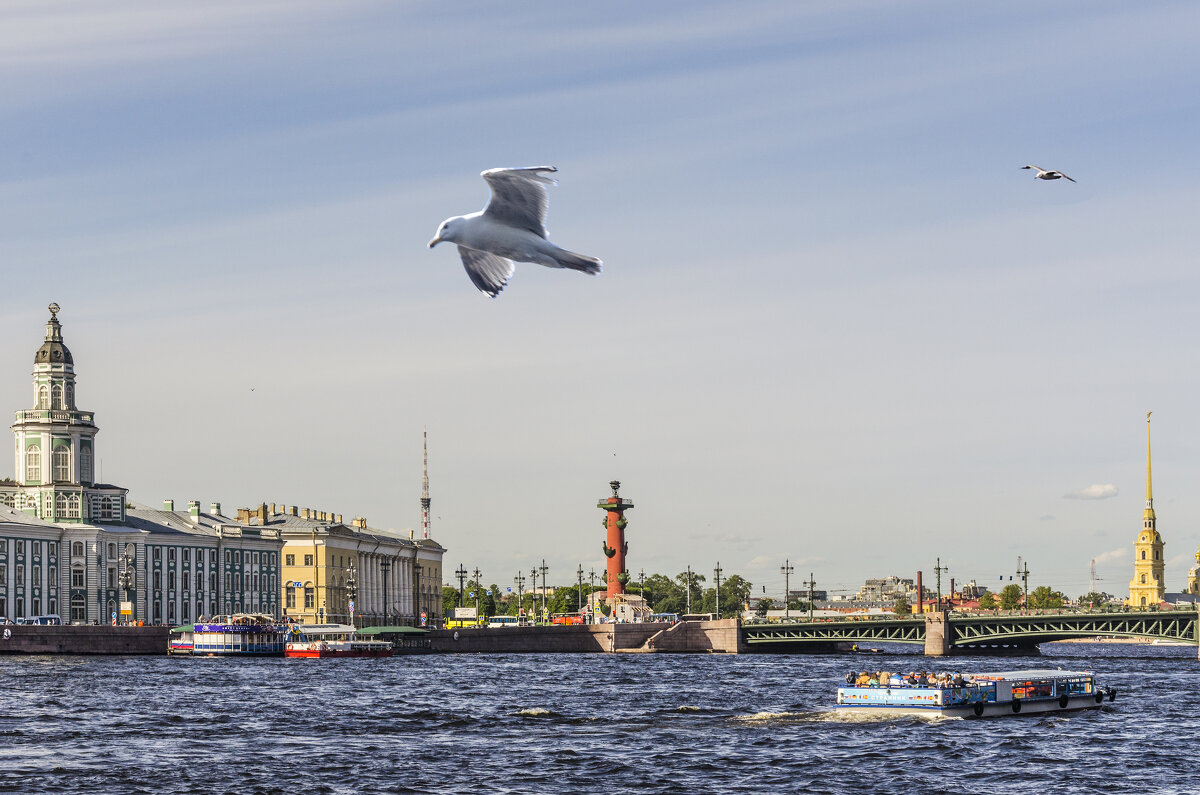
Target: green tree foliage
pixel 662 593
pixel 764 604
pixel 1093 599
pixel 987 601
pixel 1045 598
pixel 901 607
pixel 449 600
pixel 1010 597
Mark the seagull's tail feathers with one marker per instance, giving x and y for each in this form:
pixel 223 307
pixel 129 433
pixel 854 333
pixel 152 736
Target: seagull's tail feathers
pixel 577 262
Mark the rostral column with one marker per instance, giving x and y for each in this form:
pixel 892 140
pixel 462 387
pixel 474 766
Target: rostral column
pixel 615 545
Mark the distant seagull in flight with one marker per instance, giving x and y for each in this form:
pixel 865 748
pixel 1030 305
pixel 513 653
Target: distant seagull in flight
pixel 1044 174
pixel 511 227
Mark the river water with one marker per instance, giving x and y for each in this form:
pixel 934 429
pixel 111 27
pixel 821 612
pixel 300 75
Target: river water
pixel 575 723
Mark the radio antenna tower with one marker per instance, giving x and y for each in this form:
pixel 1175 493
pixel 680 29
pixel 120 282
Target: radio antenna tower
pixel 1094 577
pixel 425 488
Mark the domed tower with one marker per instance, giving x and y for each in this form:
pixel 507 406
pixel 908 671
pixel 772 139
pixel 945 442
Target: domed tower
pixel 1147 586
pixel 1193 586
pixel 55 451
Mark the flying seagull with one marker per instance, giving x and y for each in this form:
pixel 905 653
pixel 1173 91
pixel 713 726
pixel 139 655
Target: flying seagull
pixel 511 227
pixel 1044 174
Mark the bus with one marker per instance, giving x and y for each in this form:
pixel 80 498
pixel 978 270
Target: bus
pixel 664 618
pixel 496 622
pixel 566 618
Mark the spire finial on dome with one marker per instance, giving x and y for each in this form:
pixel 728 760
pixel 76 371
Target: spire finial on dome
pixel 54 309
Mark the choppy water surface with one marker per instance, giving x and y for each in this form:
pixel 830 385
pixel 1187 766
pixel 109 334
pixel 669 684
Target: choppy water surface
pixel 573 723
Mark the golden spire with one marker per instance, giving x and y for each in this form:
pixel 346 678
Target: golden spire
pixel 1149 512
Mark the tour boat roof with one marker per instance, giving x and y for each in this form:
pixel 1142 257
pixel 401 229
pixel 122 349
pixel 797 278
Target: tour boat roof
pixel 1030 673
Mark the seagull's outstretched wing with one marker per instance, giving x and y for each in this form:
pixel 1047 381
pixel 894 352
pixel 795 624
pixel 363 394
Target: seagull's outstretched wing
pixel 519 197
pixel 487 271
pixel 1064 176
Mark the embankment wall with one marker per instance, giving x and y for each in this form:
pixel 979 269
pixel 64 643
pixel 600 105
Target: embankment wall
pixel 83 640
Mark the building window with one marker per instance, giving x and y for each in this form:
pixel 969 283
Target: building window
pixel 78 609
pixel 43 397
pixel 310 597
pixel 1143 579
pixel 170 580
pixel 289 560
pixel 171 556
pixel 33 464
pixel 53 571
pixel 308 560
pixel 157 554
pixel 56 400
pixel 53 607
pixel 77 578
pixel 70 396
pixel 1143 554
pixel 187 583
pixel 85 464
pixel 291 597
pixel 158 612
pixel 20 547
pixel 20 607
pixel 37 580
pixel 112 577
pixel 187 611
pixel 77 549
pixel 157 579
pixel 37 607
pixel 62 463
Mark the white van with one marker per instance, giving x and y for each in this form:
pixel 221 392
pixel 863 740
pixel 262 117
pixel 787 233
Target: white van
pixel 501 621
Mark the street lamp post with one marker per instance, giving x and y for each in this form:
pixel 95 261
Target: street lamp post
pixel 462 575
pixel 519 581
pixel 592 595
pixel 579 592
pixel 533 598
pixel 717 573
pixel 544 570
pixel 811 584
pixel 352 592
pixel 385 566
pixel 127 579
pixel 478 587
pixel 689 589
pixel 786 570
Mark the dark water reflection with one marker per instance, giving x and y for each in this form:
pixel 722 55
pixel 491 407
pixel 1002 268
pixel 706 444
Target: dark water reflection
pixel 573 723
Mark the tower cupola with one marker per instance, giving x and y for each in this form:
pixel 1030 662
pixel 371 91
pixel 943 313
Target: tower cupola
pixel 53 351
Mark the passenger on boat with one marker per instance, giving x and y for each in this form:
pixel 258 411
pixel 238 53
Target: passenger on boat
pixel 850 677
pixel 863 679
pixel 896 680
pixel 873 681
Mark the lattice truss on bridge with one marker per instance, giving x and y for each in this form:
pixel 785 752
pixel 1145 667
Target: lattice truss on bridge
pixel 907 630
pixel 1039 629
pixel 974 630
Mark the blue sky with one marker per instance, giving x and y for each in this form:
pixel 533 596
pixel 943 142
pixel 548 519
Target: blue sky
pixel 837 324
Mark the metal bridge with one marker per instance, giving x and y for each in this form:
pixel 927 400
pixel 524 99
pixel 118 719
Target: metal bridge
pixel 942 633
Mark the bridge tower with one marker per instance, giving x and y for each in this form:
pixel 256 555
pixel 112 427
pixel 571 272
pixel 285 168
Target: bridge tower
pixel 1148 585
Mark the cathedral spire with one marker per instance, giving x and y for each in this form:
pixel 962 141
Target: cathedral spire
pixel 1149 512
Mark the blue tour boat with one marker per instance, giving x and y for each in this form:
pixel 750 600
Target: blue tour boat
pixel 981 695
pixel 238 635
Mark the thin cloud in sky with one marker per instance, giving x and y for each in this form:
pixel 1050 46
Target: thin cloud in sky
pixel 1096 491
pixel 1117 555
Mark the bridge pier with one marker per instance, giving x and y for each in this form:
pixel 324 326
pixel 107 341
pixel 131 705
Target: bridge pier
pixel 937 634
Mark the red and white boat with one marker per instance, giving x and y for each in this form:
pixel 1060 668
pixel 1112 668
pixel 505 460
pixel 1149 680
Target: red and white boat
pixel 332 640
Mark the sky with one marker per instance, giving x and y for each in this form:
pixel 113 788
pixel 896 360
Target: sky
pixel 837 325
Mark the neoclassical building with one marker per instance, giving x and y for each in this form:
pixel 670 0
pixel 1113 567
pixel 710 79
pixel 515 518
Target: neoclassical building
pixel 73 547
pixel 397 579
pixel 79 549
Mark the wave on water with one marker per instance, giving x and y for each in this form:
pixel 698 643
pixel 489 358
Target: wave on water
pixel 686 708
pixel 851 716
pixel 535 712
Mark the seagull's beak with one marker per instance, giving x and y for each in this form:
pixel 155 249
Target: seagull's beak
pixel 434 242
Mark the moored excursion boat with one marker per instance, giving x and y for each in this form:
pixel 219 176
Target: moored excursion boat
pixel 332 640
pixel 240 634
pixel 981 695
pixel 181 641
